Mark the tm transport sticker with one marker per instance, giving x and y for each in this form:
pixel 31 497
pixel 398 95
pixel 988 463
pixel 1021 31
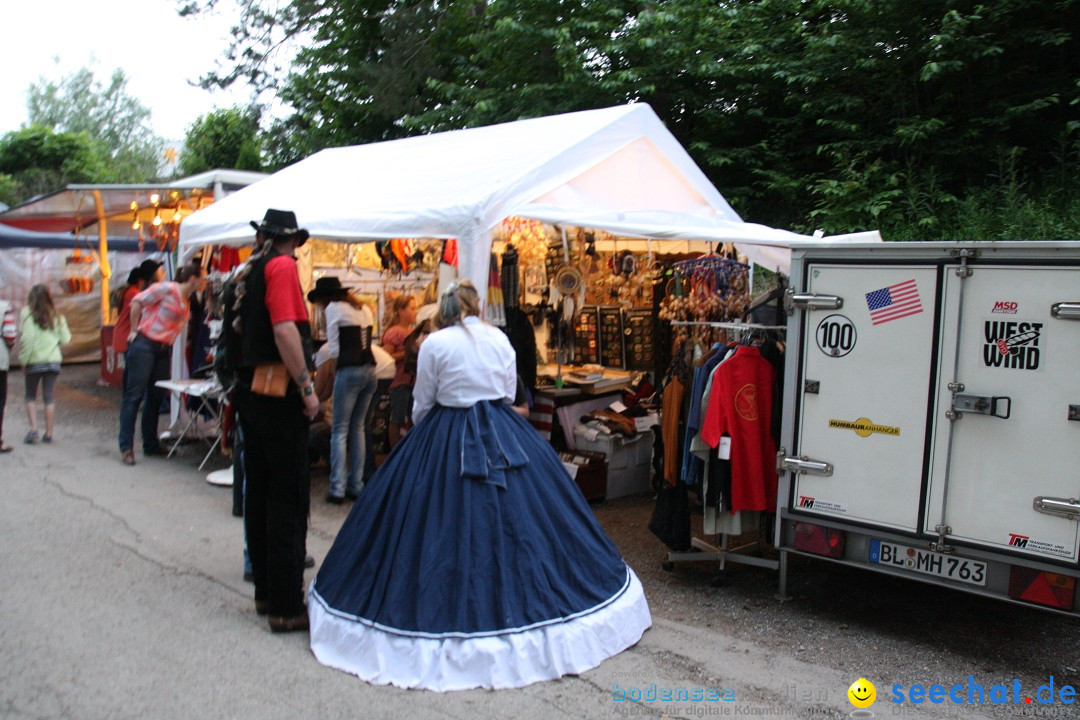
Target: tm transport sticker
pixel 1013 344
pixel 1026 542
pixel 864 427
pixel 836 336
pixel 814 503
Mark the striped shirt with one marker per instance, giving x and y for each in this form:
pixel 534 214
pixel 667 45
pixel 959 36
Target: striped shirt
pixel 7 325
pixel 164 312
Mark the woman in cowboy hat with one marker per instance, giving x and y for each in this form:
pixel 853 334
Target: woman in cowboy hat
pixel 348 339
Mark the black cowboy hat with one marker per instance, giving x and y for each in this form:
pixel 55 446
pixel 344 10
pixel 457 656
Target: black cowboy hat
pixel 327 289
pixel 147 269
pixel 281 224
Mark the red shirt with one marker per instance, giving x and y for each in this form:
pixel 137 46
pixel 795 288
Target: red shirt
pixel 393 340
pixel 123 320
pixel 284 298
pixel 740 405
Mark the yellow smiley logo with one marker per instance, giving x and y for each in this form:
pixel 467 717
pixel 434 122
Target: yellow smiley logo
pixel 862 693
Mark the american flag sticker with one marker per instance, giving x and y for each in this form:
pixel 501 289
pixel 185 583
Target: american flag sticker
pixel 894 302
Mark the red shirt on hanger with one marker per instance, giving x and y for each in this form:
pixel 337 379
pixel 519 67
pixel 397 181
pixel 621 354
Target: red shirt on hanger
pixel 740 405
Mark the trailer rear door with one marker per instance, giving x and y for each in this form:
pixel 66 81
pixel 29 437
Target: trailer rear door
pixel 865 393
pixel 1014 440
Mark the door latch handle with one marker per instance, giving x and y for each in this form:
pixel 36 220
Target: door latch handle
pixel 1067 508
pixel 999 406
pixel 805 466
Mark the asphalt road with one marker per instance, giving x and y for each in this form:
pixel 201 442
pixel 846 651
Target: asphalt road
pixel 121 596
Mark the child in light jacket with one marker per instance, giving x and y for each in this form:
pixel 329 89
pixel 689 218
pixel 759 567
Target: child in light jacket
pixel 42 331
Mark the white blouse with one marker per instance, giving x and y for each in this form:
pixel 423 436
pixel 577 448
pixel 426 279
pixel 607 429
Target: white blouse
pixel 459 366
pixel 341 313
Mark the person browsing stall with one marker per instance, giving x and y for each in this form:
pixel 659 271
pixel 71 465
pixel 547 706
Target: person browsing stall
pixel 349 324
pixel 136 283
pixel 158 316
pixel 7 342
pixel 400 321
pixel 275 402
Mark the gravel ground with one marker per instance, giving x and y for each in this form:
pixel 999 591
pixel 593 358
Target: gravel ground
pixel 859 623
pixel 864 623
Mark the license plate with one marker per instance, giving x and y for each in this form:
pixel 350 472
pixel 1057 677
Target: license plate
pixel 927 562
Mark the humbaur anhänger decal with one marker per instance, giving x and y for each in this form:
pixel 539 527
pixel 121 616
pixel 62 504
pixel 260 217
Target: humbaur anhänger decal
pixel 864 427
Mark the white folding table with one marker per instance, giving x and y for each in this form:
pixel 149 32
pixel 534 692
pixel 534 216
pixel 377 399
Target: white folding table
pixel 209 393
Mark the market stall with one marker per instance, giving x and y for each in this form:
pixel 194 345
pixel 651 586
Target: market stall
pixel 69 267
pixel 591 210
pixel 67 239
pixel 617 169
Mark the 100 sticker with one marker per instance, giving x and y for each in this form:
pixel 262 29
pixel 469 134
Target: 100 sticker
pixel 836 336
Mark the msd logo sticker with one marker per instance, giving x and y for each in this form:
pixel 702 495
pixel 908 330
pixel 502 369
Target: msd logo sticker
pixel 1005 307
pixel 1019 541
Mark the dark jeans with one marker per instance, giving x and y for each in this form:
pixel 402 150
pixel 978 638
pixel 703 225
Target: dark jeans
pixel 3 399
pixel 381 388
pixel 146 363
pixel 276 497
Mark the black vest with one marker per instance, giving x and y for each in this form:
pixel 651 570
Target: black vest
pixel 354 344
pixel 257 344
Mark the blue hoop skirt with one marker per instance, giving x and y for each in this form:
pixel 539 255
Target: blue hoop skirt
pixel 471 560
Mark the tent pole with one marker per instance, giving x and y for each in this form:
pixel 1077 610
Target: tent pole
pixel 103 258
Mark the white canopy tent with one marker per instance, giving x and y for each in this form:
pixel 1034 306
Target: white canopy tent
pixel 616 169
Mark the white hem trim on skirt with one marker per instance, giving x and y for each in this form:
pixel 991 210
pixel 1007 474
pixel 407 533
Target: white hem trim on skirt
pixel 455 661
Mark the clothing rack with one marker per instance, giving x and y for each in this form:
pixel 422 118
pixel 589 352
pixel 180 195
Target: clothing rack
pixel 702 551
pixel 707 552
pixel 708 261
pixel 728 325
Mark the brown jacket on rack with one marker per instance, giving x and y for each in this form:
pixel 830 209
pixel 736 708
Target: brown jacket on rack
pixel 669 428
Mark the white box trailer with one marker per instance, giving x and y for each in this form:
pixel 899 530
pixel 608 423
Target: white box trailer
pixel 932 415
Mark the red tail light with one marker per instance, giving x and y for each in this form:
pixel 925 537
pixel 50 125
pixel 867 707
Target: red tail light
pixel 819 540
pixel 1042 588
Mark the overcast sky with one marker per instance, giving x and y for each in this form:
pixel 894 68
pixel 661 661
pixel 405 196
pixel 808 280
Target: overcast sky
pixel 159 51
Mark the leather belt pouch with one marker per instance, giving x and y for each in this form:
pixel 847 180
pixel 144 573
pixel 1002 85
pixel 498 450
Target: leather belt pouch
pixel 270 379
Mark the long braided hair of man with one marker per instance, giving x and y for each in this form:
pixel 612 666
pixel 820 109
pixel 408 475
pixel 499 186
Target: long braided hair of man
pixel 241 283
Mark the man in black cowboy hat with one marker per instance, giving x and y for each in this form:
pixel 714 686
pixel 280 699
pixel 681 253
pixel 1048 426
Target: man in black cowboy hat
pixel 276 336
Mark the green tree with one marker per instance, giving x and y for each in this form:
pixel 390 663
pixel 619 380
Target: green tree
pixel 36 160
pixel 838 114
pixel 108 115
pixel 224 138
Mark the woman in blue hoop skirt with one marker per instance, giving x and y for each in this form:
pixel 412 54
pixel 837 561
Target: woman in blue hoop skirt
pixel 471 559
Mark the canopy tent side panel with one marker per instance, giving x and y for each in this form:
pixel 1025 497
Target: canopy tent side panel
pixel 23 267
